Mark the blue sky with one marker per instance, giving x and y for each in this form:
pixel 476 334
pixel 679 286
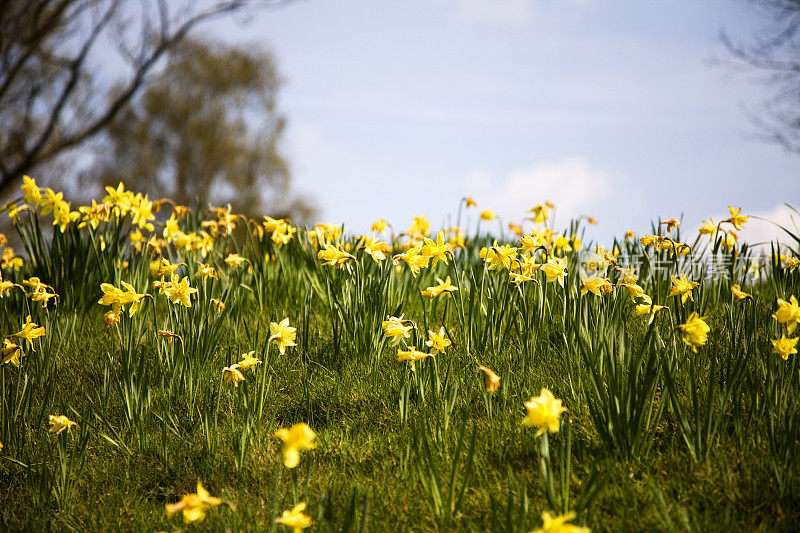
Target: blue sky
pixel 612 109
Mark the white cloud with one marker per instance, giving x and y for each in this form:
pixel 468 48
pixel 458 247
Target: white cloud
pixel 572 184
pixel 764 231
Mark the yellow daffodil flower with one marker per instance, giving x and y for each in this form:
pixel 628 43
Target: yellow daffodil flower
pixel 11 353
pixel 194 506
pixel 436 250
pixel 788 313
pixel 295 519
pixel 248 361
pixel 555 269
pixel 298 438
pixel 443 287
pixel 283 334
pixel 59 424
pixel 437 341
pixel 179 291
pixel 30 330
pixel 491 381
pixel 231 374
pixel 694 332
pixel 558 524
pixel 682 287
pixel 738 294
pixel 544 412
pixel 397 329
pixel 412 356
pixel 736 219
pixel 784 347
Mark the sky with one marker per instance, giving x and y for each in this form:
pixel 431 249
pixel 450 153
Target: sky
pixel 612 109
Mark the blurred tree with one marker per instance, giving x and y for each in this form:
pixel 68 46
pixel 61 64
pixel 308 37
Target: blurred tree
pixel 205 129
pixel 54 95
pixel 774 52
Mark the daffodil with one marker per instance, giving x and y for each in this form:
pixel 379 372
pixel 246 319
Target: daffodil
pixel 443 287
pixel 30 190
pixel 375 248
pixel 738 293
pixel 498 257
pixel 111 317
pixel 436 250
pixel 218 305
pixel 594 284
pixel 248 361
pixel 558 524
pixel 784 347
pixel 178 291
pixel 540 213
pixel 491 381
pixel 207 271
pixel 413 258
pixel 517 278
pixel 333 255
pixel 169 335
pixel 283 334
pixel 788 313
pixel 682 287
pixel 643 309
pixel 397 329
pixel 234 260
pixel 194 506
pixel 544 412
pixel 437 341
pixel 736 219
pixel 30 330
pixel 412 356
pixel 231 374
pixel 60 423
pixel 694 332
pixel 11 352
pixel 299 437
pixel 295 518
pixel 708 227
pixel 555 269
pixel 378 226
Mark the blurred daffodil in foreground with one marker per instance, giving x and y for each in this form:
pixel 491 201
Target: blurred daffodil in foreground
pixel 295 518
pixel 194 506
pixel 544 412
pixel 788 313
pixel 694 332
pixel 558 524
pixel 491 381
pixel 300 437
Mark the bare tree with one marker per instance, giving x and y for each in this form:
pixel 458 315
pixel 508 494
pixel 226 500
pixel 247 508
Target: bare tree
pixel 774 53
pixel 59 61
pixel 205 129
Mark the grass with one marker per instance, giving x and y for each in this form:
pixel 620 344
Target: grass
pixel 656 436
